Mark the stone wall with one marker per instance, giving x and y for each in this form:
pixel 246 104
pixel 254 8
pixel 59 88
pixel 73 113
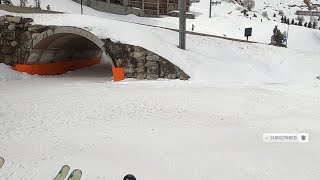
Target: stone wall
pixel 16 38
pixel 140 63
pixel 111 8
pixel 20 43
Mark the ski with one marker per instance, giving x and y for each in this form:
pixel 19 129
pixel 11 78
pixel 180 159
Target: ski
pixel 75 175
pixel 62 173
pixel 1 162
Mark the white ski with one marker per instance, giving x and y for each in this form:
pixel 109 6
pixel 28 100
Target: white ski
pixel 1 162
pixel 62 173
pixel 75 175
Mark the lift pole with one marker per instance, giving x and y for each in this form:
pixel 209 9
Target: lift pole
pixel 210 8
pixel 81 8
pixel 182 24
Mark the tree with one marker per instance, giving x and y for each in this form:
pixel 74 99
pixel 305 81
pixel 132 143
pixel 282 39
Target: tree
pixel 281 19
pixel 309 24
pixel 305 24
pixel 274 15
pixel 300 23
pixel 277 38
pixel 37 3
pixel 300 18
pixel 23 3
pixel 249 4
pixel 288 21
pixel 314 25
pixel 292 22
pixel 254 15
pixel 285 19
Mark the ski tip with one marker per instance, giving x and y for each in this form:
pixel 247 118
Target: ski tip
pixel 62 173
pixel 75 175
pixel 66 166
pixel 1 161
pixel 129 177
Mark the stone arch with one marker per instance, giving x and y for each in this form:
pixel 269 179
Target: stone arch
pixel 65 43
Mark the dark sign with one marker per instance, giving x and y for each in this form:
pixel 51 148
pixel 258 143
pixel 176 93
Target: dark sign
pixel 248 32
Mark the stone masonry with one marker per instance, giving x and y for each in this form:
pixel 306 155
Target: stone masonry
pixel 140 63
pixel 18 36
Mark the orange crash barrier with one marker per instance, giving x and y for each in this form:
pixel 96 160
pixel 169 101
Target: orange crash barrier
pixel 118 74
pixel 55 68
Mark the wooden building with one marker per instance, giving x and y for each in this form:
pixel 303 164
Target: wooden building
pixel 151 7
pixel 156 7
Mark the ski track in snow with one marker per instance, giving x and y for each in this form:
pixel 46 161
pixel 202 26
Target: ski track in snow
pixel 185 130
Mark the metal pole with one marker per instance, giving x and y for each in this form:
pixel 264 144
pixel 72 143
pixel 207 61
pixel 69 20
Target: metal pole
pixel 210 9
pixel 81 8
pixel 182 24
pixel 287 36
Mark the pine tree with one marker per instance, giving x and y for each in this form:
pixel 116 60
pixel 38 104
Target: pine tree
pixel 288 21
pixel 300 23
pixel 37 3
pixel 274 15
pixel 23 3
pixel 277 38
pixel 282 19
pixel 309 24
pixel 314 26
pixel 292 22
pixel 305 24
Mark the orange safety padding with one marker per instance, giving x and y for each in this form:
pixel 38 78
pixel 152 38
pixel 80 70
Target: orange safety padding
pixel 55 68
pixel 118 74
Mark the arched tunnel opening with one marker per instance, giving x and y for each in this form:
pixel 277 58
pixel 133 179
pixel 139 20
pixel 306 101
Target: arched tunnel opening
pixel 72 48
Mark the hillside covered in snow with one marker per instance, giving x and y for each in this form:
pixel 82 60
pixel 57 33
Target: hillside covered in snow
pixel 227 20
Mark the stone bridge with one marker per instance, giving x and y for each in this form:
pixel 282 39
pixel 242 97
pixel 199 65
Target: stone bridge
pixel 24 43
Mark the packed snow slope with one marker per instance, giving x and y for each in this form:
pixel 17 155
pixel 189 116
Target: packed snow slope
pixel 209 127
pixel 155 129
pixel 226 20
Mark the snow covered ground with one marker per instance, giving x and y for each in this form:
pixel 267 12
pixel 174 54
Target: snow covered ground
pixel 226 20
pixel 209 127
pixel 155 129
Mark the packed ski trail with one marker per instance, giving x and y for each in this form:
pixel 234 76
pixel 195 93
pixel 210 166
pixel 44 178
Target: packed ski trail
pixel 155 130
pixel 209 127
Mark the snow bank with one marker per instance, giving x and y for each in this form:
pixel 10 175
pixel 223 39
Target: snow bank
pixel 7 74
